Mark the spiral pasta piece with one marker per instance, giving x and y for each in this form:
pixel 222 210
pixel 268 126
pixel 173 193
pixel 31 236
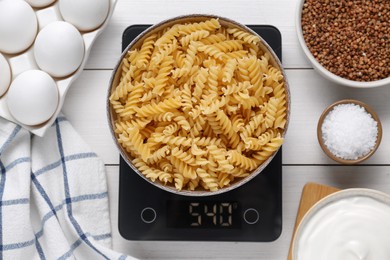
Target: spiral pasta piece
pixel 253 124
pixel 139 123
pixel 228 71
pixel 239 172
pixel 242 68
pixel 159 154
pixel 194 36
pixel 267 136
pixel 182 121
pixel 162 78
pixel 186 141
pixel 268 149
pixel 170 129
pixel 280 116
pixel 213 51
pixel 212 81
pixel 237 122
pixel 163 117
pixel 242 35
pixel 224 179
pixel 165 165
pixel 198 126
pixel 132 140
pixel 121 91
pixel 208 106
pixel 270 114
pixel 162 54
pixel 117 106
pixel 214 124
pixel 234 55
pixel 161 107
pixel 227 128
pixel 179 181
pixel 209 25
pixel 214 38
pixel 168 36
pixel 219 155
pixel 255 75
pixel 187 170
pixel 145 52
pixel 152 173
pixel 236 88
pixel 229 45
pixel 132 100
pixel 131 57
pixel 242 161
pixel 210 180
pixel 200 82
pixel 186 97
pixel 183 156
pixel 179 56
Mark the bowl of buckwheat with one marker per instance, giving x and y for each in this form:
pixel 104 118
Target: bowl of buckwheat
pixel 347 41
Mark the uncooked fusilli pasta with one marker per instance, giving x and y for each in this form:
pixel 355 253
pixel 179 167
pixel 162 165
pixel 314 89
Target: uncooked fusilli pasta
pixel 199 105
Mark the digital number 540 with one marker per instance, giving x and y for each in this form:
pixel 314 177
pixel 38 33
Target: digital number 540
pixel 214 214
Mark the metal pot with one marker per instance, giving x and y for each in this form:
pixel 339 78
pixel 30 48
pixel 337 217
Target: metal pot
pixel 136 43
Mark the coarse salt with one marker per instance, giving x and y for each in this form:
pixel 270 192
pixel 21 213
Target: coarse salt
pixel 349 132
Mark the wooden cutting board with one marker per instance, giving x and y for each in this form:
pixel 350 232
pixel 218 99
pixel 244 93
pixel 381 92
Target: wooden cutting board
pixel 311 193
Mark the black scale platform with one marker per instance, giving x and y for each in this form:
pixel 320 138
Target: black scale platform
pixel 252 212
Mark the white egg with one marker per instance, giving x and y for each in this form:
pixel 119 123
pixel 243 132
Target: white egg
pixel 86 15
pixel 40 3
pixel 5 75
pixel 32 97
pixel 18 26
pixel 59 49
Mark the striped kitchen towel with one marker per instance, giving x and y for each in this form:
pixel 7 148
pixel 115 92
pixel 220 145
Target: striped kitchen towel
pixel 53 196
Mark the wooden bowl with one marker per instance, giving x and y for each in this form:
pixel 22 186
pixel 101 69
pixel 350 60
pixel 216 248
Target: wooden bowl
pixel 325 148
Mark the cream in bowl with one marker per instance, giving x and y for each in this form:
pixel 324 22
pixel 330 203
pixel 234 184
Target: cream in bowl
pixel 352 224
pixel 198 105
pixel 349 131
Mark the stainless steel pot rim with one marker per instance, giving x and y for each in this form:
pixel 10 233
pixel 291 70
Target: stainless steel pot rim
pixel 183 18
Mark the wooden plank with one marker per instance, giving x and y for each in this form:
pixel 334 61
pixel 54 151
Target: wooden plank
pixel 279 13
pixel 311 194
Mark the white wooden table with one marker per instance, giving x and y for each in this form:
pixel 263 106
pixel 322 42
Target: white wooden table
pixel 303 159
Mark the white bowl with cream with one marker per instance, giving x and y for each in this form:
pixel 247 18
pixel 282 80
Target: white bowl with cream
pixel 352 224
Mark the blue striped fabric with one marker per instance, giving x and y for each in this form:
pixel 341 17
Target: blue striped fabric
pixel 53 196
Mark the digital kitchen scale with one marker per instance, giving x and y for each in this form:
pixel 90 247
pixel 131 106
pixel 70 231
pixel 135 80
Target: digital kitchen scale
pixel 251 212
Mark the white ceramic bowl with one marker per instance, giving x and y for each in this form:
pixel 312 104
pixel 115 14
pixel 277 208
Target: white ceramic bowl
pixel 324 212
pixel 323 71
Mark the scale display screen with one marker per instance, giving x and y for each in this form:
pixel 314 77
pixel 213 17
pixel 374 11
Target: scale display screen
pixel 203 214
pixel 251 212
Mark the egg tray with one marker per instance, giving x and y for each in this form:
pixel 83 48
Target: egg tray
pixel 25 61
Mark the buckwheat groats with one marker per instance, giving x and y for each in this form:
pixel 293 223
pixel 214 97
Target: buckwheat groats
pixel 349 38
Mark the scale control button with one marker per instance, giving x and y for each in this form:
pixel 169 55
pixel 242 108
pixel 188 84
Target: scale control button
pixel 148 215
pixel 251 216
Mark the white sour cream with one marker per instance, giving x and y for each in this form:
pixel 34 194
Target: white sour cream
pixel 352 228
